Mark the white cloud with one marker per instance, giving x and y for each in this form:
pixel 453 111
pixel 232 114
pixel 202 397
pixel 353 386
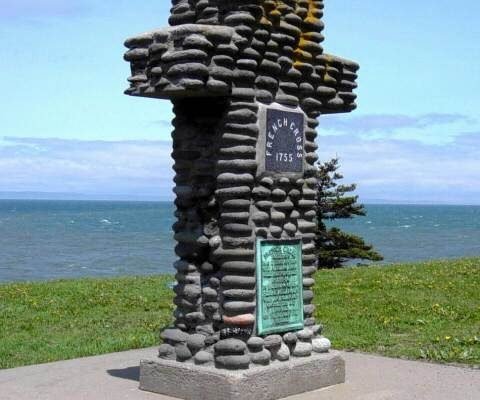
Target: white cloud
pixel 390 122
pixel 398 125
pixel 89 167
pixel 409 170
pixel 389 169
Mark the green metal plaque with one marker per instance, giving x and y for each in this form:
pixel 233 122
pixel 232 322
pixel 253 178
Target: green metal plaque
pixel 279 286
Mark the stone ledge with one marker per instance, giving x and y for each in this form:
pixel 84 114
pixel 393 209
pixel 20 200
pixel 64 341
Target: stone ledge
pixel 279 380
pixel 196 61
pixel 182 61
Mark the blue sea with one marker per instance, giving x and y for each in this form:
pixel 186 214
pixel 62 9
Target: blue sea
pixel 42 240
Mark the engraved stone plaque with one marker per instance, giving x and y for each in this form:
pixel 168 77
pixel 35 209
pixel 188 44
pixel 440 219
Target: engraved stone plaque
pixel 279 286
pixel 284 141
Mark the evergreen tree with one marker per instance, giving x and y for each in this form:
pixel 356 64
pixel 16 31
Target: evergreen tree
pixel 336 202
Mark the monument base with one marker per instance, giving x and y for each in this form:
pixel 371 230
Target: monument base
pixel 276 381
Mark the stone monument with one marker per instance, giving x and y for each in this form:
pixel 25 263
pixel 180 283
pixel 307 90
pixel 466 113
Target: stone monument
pixel 248 80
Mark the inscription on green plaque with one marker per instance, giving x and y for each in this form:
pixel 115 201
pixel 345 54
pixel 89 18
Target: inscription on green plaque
pixel 279 286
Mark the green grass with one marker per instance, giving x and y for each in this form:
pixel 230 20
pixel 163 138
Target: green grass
pixel 43 322
pixel 420 311
pixel 425 311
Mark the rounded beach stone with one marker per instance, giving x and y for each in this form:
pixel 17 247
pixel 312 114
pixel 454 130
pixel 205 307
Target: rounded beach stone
pixel 174 336
pixel 261 192
pixel 262 232
pixel 283 353
pixel 308 282
pixel 214 282
pixel 238 216
pixel 203 357
pixel 239 294
pixel 195 317
pixel 300 182
pixel 295 215
pixel 317 329
pixel 217 86
pixel 278 217
pixel 294 194
pixel 233 362
pixel 183 352
pixel 181 325
pixel 260 218
pixel 290 338
pixel 279 193
pixel 197 41
pixel 239 320
pixel 207 267
pixel 167 352
pixel 264 204
pixel 212 339
pixel 262 357
pixel 307 295
pixel 272 341
pixel 211 307
pixel 276 231
pixel 255 343
pixel 184 266
pixel 209 293
pixel 305 335
pixel 302 349
pixel 321 345
pixel 230 346
pixel 215 242
pixel 196 342
pixel 205 330
pixel 239 281
pixel 237 307
pixel 309 309
pixel 267 181
pixel 290 228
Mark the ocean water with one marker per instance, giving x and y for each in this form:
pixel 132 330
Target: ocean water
pixel 64 239
pixel 403 233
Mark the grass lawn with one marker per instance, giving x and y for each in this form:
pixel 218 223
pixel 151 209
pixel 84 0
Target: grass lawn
pixel 427 311
pixel 43 322
pixel 419 311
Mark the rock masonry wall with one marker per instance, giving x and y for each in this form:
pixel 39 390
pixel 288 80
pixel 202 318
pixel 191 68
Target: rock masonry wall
pixel 219 63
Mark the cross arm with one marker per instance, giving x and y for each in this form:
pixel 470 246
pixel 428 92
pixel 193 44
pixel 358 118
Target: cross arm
pixel 182 61
pixel 339 77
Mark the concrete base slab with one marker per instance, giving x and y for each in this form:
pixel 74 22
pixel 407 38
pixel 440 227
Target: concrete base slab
pixel 276 381
pixel 115 377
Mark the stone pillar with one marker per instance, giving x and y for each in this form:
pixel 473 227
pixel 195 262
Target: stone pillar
pixel 248 81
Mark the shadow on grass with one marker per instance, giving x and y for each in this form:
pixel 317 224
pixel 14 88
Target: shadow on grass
pixel 130 373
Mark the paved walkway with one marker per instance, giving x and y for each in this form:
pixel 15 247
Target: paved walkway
pixel 115 377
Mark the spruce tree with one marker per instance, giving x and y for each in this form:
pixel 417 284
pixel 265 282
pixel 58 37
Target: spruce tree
pixel 335 201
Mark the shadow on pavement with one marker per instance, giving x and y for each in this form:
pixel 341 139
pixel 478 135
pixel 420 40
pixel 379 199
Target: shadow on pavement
pixel 131 373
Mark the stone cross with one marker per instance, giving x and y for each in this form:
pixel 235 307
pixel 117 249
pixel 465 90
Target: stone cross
pixel 248 80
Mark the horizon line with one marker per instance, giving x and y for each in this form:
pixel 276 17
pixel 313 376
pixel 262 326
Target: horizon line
pixel 58 196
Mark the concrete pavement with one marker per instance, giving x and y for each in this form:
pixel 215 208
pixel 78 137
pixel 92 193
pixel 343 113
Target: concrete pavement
pixel 115 377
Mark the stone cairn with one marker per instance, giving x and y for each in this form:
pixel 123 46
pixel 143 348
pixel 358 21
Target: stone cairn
pixel 219 63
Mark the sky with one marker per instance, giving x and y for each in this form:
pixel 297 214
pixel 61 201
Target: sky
pixel 67 127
